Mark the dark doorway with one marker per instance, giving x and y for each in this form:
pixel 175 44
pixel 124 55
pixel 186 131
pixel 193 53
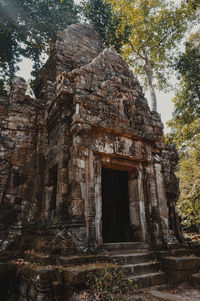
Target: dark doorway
pixel 115 206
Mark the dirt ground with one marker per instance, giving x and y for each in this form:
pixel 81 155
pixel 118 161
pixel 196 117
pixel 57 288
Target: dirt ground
pixel 183 292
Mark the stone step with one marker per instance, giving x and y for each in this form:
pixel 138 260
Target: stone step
pixel 7 255
pixel 43 259
pixel 141 268
pixel 39 258
pixel 148 280
pixel 126 245
pixel 79 275
pixel 79 260
pixel 178 252
pixel 195 280
pixel 132 257
pixel 182 262
pixel 181 268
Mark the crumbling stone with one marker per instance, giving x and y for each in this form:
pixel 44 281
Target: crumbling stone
pixel 180 268
pixel 89 115
pixel 195 279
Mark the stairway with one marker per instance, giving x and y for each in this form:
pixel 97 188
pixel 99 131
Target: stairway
pixel 180 263
pixel 138 263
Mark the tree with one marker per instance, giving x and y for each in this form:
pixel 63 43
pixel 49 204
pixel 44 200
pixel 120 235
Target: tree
pixel 185 127
pixel 188 204
pixel 157 27
pixel 100 15
pixel 194 3
pixel 186 116
pixel 28 28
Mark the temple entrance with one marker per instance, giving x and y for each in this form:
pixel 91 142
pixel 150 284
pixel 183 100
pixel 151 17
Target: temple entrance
pixel 115 206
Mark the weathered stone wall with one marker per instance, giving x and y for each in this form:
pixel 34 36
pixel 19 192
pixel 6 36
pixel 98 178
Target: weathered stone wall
pixel 90 112
pixel 112 126
pixel 75 47
pixel 19 136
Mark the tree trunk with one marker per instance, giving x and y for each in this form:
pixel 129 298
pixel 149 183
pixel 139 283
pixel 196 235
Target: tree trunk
pixel 150 83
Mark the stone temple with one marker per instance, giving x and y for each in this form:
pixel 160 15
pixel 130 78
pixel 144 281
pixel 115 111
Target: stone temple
pixel 84 168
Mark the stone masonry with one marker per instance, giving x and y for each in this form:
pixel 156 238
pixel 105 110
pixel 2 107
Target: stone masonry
pixel 89 118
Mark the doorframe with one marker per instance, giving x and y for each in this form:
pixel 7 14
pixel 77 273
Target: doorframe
pixel 134 168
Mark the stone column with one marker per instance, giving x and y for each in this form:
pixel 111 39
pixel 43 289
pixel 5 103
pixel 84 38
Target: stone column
pixel 162 201
pixel 153 204
pixel 81 208
pixel 63 162
pixel 90 201
pixel 76 207
pixel 98 203
pixel 142 204
pixel 169 237
pixel 134 203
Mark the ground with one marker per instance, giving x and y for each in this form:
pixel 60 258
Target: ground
pixel 183 292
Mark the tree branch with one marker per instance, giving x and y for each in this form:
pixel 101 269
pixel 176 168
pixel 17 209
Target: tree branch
pixel 160 42
pixel 134 50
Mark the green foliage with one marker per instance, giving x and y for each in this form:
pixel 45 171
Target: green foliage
pixel 28 28
pixel 109 284
pixel 105 21
pixel 185 132
pixel 188 204
pixel 185 122
pixel 156 29
pixel 195 4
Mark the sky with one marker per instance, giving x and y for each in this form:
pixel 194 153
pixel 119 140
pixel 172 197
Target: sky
pixel 165 104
